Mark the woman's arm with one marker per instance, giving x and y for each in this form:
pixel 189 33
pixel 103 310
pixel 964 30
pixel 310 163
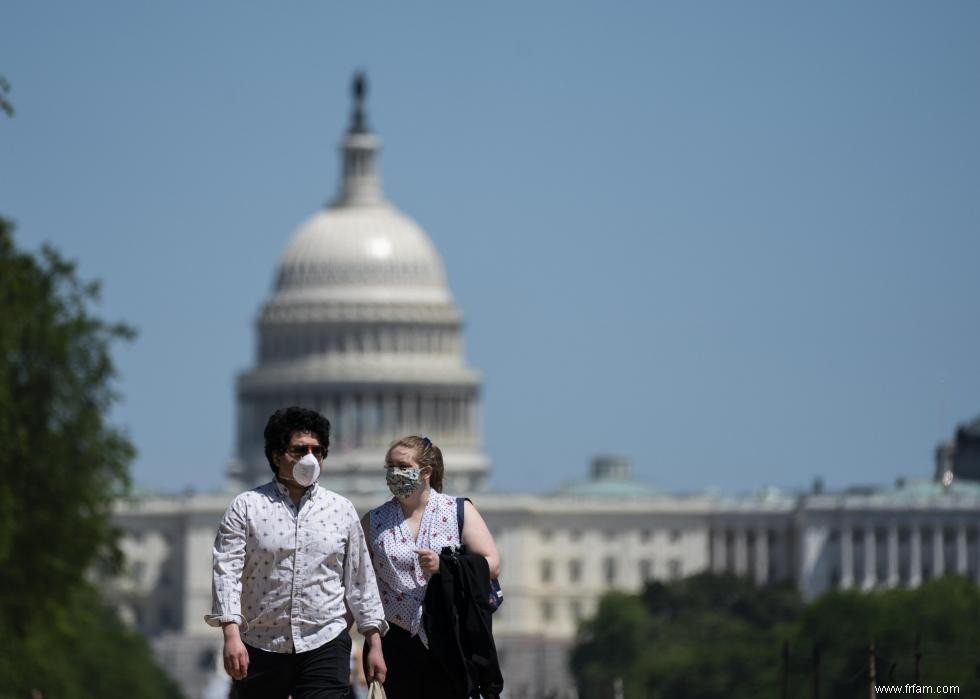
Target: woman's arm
pixel 478 539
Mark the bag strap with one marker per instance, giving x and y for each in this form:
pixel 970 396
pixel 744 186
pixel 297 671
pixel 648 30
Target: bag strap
pixel 496 595
pixel 459 517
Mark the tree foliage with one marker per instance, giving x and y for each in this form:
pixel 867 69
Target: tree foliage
pixel 711 636
pixel 61 468
pixel 83 652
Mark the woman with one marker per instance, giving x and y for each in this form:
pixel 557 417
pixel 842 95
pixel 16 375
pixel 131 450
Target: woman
pixel 405 536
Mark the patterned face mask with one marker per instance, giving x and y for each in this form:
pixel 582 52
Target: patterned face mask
pixel 402 480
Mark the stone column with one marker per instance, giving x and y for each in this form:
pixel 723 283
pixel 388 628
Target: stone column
pixel 371 413
pixel 389 420
pixel 454 419
pixel 357 401
pixel 846 557
pixel 439 417
pixel 938 557
pixel 893 554
pixel 427 416
pixel 741 552
pixel 762 556
pixel 343 429
pixel 461 419
pixel 961 562
pixel 472 418
pixel 870 556
pixel 409 413
pixel 915 555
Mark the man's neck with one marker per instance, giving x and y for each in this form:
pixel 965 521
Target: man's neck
pixel 295 490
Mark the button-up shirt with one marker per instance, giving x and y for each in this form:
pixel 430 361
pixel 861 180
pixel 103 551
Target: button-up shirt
pixel 283 571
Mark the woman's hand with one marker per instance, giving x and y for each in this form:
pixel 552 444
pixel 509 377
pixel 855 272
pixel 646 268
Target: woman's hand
pixel 429 560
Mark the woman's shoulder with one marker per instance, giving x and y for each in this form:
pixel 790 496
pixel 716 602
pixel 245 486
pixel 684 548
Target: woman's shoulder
pixel 384 515
pixel 445 499
pixel 383 509
pixel 455 499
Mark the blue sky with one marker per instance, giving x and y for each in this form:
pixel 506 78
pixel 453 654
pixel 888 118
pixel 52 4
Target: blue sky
pixel 737 242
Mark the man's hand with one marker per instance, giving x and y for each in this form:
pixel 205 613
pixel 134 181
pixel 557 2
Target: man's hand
pixel 429 560
pixel 376 668
pixel 234 654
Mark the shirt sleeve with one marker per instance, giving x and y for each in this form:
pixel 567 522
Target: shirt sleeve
pixel 360 585
pixel 229 561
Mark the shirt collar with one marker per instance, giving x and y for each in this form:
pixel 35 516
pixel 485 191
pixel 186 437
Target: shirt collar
pixel 310 492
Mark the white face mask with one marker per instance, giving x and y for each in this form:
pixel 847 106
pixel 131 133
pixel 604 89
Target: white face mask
pixel 306 470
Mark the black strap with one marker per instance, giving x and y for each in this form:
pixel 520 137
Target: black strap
pixel 459 517
pixel 496 595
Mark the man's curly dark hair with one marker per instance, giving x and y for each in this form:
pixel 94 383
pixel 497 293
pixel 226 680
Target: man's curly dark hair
pixel 283 423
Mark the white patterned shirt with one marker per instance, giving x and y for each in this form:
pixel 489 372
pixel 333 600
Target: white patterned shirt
pixel 282 571
pixel 401 580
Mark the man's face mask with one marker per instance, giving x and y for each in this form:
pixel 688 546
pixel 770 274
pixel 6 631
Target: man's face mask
pixel 402 480
pixel 306 470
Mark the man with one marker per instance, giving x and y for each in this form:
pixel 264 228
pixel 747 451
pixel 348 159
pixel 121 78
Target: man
pixel 288 556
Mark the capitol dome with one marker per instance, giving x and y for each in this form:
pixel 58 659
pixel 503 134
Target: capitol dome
pixel 362 327
pixel 358 252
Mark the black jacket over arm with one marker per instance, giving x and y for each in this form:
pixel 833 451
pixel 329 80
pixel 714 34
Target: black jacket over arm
pixel 457 620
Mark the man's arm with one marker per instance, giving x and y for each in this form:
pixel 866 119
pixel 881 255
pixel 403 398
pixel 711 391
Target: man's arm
pixel 360 585
pixel 362 597
pixel 226 588
pixel 376 668
pixel 234 654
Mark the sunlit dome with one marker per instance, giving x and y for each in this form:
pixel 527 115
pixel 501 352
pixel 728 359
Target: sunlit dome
pixel 362 252
pixel 361 248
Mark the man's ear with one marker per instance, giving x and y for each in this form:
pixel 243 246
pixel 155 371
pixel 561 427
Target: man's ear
pixel 277 458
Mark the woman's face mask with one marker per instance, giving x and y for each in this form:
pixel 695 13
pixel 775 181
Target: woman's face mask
pixel 402 480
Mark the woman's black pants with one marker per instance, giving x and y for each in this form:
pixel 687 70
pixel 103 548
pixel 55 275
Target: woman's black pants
pixel 413 671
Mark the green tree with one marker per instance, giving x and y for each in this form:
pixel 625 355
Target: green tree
pixel 61 468
pixel 611 646
pixel 706 636
pixel 719 636
pixel 941 615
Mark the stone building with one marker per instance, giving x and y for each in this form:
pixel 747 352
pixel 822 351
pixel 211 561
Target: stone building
pixel 362 326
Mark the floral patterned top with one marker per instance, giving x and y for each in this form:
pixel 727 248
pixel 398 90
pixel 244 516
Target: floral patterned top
pixel 401 580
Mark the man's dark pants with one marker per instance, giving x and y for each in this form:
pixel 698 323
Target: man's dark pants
pixel 321 673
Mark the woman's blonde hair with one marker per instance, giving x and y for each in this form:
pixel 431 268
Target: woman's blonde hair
pixel 426 454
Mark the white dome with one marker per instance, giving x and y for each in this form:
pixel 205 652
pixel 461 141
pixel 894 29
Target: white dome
pixel 365 252
pixel 362 327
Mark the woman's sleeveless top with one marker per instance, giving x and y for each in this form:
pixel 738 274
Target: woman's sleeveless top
pixel 401 580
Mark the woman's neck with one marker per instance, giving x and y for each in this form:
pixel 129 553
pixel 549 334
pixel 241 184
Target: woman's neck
pixel 415 502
